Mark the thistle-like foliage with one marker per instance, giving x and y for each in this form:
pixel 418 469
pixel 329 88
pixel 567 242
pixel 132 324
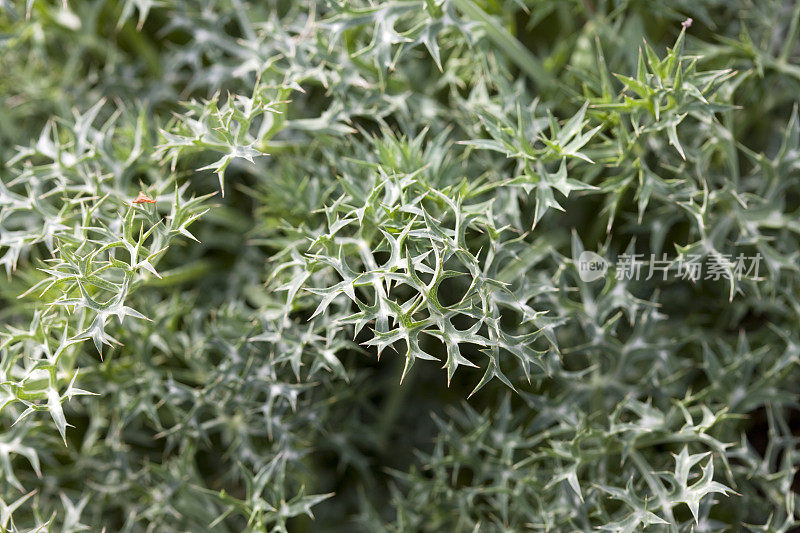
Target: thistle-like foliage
pixel 383 321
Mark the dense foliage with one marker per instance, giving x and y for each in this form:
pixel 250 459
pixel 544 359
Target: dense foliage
pixel 350 287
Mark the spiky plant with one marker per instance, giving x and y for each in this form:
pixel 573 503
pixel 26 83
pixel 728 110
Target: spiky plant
pixel 418 265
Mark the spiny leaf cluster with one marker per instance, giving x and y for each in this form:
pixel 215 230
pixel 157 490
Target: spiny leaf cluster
pixel 380 324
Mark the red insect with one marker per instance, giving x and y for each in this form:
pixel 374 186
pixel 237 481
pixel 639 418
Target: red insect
pixel 143 199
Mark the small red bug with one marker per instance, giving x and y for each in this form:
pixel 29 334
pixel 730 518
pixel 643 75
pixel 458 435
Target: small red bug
pixel 143 199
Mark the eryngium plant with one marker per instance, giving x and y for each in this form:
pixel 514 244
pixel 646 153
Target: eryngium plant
pixel 272 261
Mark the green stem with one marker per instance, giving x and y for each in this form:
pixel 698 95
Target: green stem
pixel 181 274
pixel 391 411
pixel 514 49
pixel 656 486
pixel 791 36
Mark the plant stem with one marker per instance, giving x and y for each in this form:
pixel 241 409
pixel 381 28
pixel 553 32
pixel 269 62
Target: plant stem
pixel 516 52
